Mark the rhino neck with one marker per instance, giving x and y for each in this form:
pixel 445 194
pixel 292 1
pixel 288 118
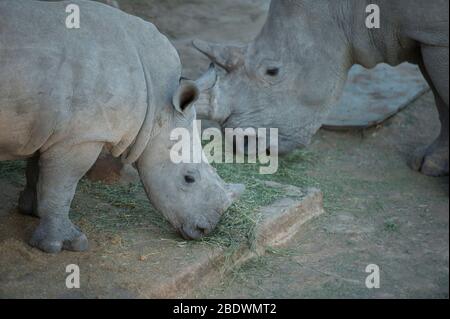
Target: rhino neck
pixel 132 153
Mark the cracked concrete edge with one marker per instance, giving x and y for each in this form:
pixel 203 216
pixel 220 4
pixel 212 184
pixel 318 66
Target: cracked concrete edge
pixel 279 223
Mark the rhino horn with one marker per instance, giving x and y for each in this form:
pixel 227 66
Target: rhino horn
pixel 227 57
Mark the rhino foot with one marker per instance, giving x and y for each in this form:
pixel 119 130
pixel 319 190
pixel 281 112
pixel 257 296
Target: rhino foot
pixel 431 161
pixel 27 203
pixel 54 235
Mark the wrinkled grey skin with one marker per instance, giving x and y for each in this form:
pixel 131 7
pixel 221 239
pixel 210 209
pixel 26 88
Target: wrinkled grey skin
pixel 115 82
pixel 291 75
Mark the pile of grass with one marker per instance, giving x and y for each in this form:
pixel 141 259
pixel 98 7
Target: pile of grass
pixel 238 223
pixel 132 209
pixel 127 207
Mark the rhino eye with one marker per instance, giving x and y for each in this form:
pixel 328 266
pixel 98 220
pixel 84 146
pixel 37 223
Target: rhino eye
pixel 272 71
pixel 189 179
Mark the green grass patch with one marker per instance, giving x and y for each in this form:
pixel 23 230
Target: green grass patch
pixel 238 223
pixel 132 209
pixel 127 207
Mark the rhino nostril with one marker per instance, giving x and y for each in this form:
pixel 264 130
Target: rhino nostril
pixel 189 179
pixel 272 71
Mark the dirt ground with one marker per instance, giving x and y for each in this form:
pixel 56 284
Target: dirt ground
pixel 378 210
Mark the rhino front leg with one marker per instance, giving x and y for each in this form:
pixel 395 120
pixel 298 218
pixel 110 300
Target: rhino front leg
pixel 28 200
pixel 434 159
pixel 61 168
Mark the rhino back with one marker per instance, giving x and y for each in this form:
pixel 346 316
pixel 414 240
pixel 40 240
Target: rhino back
pixel 87 84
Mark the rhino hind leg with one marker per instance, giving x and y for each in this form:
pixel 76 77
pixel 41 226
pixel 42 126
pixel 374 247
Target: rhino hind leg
pixel 434 159
pixel 60 170
pixel 28 200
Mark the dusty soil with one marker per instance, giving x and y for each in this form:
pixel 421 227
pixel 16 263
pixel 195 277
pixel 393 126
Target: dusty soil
pixel 378 211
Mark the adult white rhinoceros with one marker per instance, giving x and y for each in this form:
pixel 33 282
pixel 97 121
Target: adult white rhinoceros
pixel 295 70
pixel 66 93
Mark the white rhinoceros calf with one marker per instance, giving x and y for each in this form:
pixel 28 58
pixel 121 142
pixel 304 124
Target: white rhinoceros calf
pixel 115 81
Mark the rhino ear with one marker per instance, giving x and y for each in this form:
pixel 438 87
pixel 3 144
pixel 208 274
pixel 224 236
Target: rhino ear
pixel 227 57
pixel 207 80
pixel 185 96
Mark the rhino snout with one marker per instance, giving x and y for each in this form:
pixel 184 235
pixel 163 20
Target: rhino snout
pixel 204 226
pixel 196 231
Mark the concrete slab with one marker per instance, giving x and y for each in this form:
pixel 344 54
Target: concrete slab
pixel 373 96
pixel 147 262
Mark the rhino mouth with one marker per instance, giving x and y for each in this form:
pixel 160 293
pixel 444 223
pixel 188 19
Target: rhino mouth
pixel 194 230
pixel 194 233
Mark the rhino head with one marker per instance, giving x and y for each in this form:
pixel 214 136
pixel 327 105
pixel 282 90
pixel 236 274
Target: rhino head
pixel 284 79
pixel 191 196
